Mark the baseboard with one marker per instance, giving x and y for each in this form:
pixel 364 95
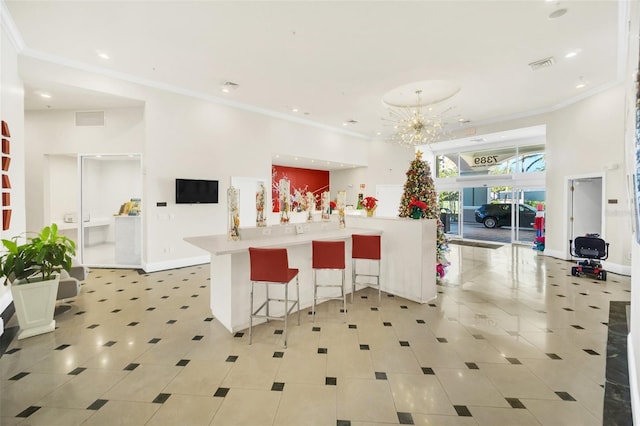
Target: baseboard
pixel 616 268
pixel 633 381
pixel 176 263
pixel 552 253
pixel 6 315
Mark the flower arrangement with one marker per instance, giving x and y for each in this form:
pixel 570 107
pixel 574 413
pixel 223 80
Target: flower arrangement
pixel 261 220
pixel 417 208
pixel 332 205
pixel 341 202
pixel 370 204
pixel 284 190
pixel 311 206
pixel 326 206
pixel 234 214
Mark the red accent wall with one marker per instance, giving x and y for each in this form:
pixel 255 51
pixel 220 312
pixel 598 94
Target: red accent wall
pixel 304 180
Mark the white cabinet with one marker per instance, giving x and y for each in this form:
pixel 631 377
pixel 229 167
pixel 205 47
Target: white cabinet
pixel 128 240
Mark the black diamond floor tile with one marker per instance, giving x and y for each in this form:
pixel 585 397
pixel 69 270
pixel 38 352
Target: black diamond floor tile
pixel 28 411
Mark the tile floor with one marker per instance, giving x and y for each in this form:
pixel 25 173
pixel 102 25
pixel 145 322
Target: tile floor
pixel 513 339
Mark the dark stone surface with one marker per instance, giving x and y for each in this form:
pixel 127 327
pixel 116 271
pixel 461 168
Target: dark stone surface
pixel 617 396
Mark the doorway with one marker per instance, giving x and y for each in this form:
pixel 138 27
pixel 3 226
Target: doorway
pixel 585 206
pixel 110 210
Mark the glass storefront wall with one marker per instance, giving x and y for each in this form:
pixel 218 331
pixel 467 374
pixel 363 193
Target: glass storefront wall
pixel 468 179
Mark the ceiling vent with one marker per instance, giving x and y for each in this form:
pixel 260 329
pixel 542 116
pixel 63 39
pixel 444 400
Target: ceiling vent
pixel 542 63
pixel 90 118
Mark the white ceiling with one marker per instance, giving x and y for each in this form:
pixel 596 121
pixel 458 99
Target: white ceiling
pixel 333 61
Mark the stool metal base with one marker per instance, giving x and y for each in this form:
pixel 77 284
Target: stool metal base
pixel 342 296
pixel 265 305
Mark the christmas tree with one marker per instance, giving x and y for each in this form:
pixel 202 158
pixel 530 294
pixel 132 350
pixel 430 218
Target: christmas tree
pixel 419 200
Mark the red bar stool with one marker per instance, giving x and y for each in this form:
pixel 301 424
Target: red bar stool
pixel 328 255
pixel 365 247
pixel 271 266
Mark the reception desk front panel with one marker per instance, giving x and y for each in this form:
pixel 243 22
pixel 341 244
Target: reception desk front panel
pixel 405 271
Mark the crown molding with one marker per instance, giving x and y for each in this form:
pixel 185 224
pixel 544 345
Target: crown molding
pixel 9 27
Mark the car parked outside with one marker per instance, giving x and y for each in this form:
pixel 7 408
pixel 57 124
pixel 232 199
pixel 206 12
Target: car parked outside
pixel 499 214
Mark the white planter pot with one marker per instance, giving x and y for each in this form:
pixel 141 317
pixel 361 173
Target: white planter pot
pixel 34 303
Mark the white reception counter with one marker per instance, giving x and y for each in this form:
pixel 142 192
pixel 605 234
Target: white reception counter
pixel 408 260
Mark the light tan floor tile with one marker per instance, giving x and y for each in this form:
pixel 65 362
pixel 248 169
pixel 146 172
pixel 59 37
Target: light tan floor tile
pixel 123 413
pixel 143 384
pixel 21 394
pixel 199 378
pixel 247 407
pixel 253 372
pixel 302 366
pixel 516 381
pixel 186 410
pixel 303 404
pixel 436 420
pixel 10 421
pixel 489 416
pixel 470 387
pixel 433 355
pixel 365 400
pixel 560 413
pixel 395 359
pixel 477 350
pixel 419 394
pixel 50 416
pixel 83 389
pixel 349 362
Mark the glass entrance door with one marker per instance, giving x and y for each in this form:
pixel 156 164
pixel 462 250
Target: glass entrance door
pixel 526 202
pixel 449 205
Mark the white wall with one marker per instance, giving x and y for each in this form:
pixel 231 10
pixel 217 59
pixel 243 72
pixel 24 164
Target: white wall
pixel 582 139
pixel 61 191
pixel 50 134
pixel 387 165
pixel 12 111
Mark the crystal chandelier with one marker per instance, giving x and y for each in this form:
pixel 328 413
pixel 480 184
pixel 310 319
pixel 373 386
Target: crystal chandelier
pixel 413 126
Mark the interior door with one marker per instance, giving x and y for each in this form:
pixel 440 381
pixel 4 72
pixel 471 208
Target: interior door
pixel 585 206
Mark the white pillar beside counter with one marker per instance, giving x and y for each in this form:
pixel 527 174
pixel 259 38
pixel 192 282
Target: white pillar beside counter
pixel 408 260
pixel 408 251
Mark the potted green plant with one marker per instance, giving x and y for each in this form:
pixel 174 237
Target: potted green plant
pixel 32 268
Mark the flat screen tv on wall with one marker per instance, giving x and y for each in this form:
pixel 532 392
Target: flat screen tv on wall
pixel 196 191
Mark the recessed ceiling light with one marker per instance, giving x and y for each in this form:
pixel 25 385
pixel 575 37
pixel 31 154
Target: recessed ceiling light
pixel 557 13
pixel 571 54
pixel 294 109
pixel 277 155
pixel 102 55
pixel 378 133
pixel 228 86
pixel 313 161
pixel 581 84
pixel 44 95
